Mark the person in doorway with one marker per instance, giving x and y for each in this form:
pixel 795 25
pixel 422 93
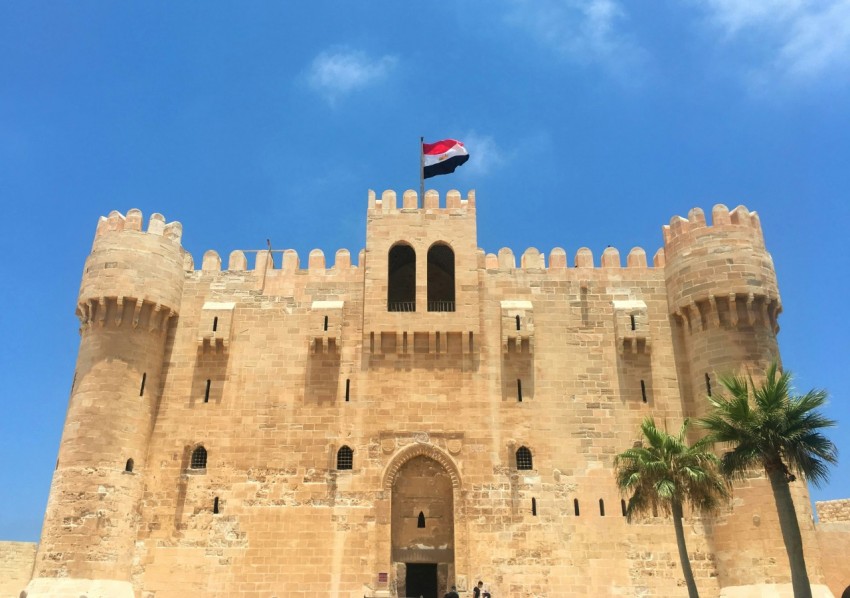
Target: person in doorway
pixel 476 591
pixel 452 593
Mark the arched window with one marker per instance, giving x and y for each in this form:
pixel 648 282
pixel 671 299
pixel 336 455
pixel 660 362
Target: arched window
pixel 344 458
pixel 523 458
pixel 199 458
pixel 128 467
pixel 420 521
pixel 441 278
pixel 401 279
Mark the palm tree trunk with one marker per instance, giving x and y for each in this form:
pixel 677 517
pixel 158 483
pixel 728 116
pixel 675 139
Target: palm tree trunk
pixel 683 550
pixel 790 532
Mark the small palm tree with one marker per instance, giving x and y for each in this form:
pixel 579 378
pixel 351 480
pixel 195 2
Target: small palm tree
pixel 768 426
pixel 666 474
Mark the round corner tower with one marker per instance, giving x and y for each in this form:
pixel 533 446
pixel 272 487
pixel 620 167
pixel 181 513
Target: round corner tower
pixel 131 289
pixel 724 302
pixel 723 296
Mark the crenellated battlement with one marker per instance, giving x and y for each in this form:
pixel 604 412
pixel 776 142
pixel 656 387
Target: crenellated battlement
pixel 720 274
pixel 533 260
pixel 281 260
pixel 682 231
pixel 116 222
pixel 388 202
pixel 132 269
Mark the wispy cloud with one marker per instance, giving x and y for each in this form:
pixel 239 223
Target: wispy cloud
pixel 804 40
pixel 340 71
pixel 583 31
pixel 485 154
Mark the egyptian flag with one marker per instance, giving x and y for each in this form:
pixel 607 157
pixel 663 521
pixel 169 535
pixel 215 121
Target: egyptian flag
pixel 442 157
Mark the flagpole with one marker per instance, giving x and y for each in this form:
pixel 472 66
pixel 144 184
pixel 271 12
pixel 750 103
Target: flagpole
pixel 421 172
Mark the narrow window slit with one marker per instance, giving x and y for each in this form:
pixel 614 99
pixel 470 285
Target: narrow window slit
pixel 601 507
pixel 708 384
pixel 471 342
pixel 215 506
pixel 142 387
pixel 517 322
pixel 534 507
pixel 643 390
pixel 519 390
pixel 575 507
pixel 632 320
pixel 207 392
pixel 420 522
pixel 347 389
pixel 623 506
pixel 215 323
pixel 326 324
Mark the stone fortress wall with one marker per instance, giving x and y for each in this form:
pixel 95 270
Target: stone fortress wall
pixel 433 413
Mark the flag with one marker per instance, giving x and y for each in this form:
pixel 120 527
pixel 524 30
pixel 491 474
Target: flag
pixel 442 157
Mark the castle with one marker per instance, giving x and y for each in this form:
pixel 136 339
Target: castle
pixel 432 415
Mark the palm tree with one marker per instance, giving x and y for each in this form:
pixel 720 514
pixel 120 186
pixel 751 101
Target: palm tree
pixel 767 425
pixel 665 475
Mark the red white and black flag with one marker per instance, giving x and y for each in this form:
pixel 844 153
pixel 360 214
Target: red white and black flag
pixel 442 157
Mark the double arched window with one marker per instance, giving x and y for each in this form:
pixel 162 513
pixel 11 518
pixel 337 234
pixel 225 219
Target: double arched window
pixel 401 278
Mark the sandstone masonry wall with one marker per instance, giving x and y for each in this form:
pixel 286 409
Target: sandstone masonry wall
pixel 16 564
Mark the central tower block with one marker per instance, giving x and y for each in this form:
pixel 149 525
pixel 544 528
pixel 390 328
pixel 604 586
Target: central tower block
pixel 130 293
pixel 421 283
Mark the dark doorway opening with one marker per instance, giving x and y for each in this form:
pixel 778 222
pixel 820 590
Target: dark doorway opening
pixel 421 580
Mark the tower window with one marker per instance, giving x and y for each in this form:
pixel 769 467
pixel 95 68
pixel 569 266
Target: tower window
pixel 215 506
pixel 643 390
pixel 623 506
pixel 215 323
pixel 199 458
pixel 575 507
pixel 420 521
pixel 326 324
pixel 141 387
pixel 517 322
pixel 534 506
pixel 632 320
pixel 128 467
pixel 401 287
pixel 523 458
pixel 441 278
pixel 708 384
pixel 602 507
pixel 345 458
pixel 347 389
pixel 207 392
pixel 519 390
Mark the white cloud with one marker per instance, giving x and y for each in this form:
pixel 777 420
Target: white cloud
pixel 805 40
pixel 484 154
pixel 341 71
pixel 583 31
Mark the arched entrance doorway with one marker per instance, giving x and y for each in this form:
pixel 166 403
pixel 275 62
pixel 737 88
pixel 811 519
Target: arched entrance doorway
pixel 423 547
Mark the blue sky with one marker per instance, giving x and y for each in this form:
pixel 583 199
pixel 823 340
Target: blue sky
pixel 590 123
